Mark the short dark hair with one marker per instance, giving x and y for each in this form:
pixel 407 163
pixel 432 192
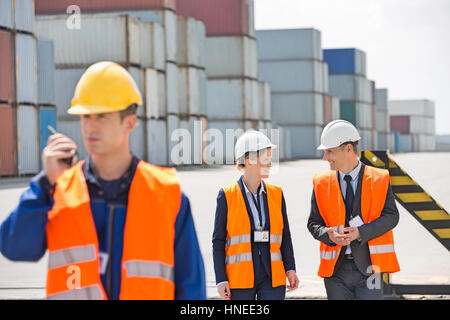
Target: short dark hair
pixel 354 144
pixel 131 110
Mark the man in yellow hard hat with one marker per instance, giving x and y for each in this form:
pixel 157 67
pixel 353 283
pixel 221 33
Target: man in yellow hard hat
pixel 116 227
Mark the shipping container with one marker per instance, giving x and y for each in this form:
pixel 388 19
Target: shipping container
pixel 155 94
pixel 191 37
pixel 234 56
pixel 233 99
pixel 351 87
pixel 157 142
pixel 360 114
pixel 47 117
pixel 381 99
pixel 26 68
pixel 102 37
pixel 266 98
pixel 297 108
pixel 294 76
pixel 197 128
pixel 173 123
pixel 331 109
pixel 138 142
pixel 400 124
pixel 203 93
pixel 231 17
pixel 138 75
pixel 8 145
pixel 405 143
pixel 220 140
pixel 46 72
pixel 72 129
pixel 188 91
pixel 23 15
pixel 28 140
pixel 383 142
pixel 172 88
pixel 61 6
pixel 382 120
pixel 65 82
pixel 153 46
pixel 289 44
pixel 345 61
pixel 412 107
pixel 366 139
pixel 6 14
pixel 304 141
pixel 6 66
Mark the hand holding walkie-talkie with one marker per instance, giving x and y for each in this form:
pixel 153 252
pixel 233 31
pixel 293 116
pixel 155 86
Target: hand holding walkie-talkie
pixel 59 154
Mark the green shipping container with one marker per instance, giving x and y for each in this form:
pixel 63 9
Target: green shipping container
pixel 348 111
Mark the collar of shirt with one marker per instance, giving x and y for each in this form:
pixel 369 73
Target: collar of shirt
pixel 261 189
pixel 354 173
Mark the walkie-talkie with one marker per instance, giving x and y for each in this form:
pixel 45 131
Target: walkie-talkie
pixel 69 161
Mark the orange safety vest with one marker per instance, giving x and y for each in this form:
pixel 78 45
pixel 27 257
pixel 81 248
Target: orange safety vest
pixel 331 206
pixel 238 250
pixel 148 249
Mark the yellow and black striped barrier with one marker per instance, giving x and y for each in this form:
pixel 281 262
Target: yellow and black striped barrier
pixel 427 211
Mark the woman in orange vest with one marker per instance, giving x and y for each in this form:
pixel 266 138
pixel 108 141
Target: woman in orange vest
pixel 353 213
pixel 252 246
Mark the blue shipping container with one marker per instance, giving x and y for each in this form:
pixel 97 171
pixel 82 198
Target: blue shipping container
pixel 345 61
pixel 47 116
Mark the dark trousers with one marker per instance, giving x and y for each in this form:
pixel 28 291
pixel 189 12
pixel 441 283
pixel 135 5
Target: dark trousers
pixel 262 289
pixel 348 283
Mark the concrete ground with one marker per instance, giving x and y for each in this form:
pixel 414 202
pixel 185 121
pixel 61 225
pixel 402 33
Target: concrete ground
pixel 423 260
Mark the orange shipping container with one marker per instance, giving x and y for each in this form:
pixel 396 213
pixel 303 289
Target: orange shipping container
pixel 7 141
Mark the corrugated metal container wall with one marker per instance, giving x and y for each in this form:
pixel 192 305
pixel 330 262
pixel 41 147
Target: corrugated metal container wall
pixel 289 44
pixel 47 116
pixel 400 124
pixel 153 47
pixel 351 87
pixel 103 37
pixel 191 39
pixel 382 120
pixel 297 108
pixel 348 111
pixel 197 127
pixel 172 88
pixel 293 76
pixel 46 72
pixel 65 83
pixel 72 129
pixel 203 92
pixel 155 94
pixel 138 141
pixel 6 14
pixel 267 100
pixel 381 98
pixel 383 141
pixel 231 17
pixel 27 139
pixel 345 61
pixel 228 57
pixel 157 142
pixel 221 151
pixel 6 66
pixel 139 77
pixel 60 6
pixel 188 90
pixel 305 140
pixel 24 15
pixel 173 123
pixel 26 71
pixel 8 144
pixel 411 107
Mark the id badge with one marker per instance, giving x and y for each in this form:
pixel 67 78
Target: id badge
pixel 356 222
pixel 261 236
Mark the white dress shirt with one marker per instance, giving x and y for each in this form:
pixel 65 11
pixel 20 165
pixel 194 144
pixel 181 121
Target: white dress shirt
pixel 259 225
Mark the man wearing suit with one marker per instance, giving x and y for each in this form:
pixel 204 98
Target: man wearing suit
pixel 353 212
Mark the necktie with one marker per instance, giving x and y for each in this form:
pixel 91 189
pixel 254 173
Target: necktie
pixel 349 196
pixel 258 206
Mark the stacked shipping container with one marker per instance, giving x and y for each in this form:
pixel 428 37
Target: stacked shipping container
pixel 347 80
pixel 292 62
pixel 414 122
pixel 382 123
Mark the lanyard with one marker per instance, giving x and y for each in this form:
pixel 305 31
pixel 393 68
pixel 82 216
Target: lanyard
pixel 258 207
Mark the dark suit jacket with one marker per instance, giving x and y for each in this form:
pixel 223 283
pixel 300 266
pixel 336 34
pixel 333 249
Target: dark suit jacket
pixel 360 250
pixel 220 235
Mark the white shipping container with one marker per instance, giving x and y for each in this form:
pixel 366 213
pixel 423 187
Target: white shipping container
pixel 266 97
pixel 172 88
pixel 202 90
pixel 155 97
pixel 351 87
pixel 197 128
pixel 220 140
pixel 138 142
pixel 364 115
pixel 188 90
pixel 138 75
pixel 102 37
pixel 366 139
pixel 294 76
pixel 297 108
pixel 157 142
pixel 173 123
pixel 191 37
pixel 406 143
pixel 28 139
pixel 382 120
pixel 304 141
pixel 381 99
pixel 383 141
pixel 335 108
pixel 231 56
pixel 26 68
pixel 153 47
pixel 23 15
pixel 72 129
pixel 289 44
pixel 411 107
pixel 6 14
pixel 65 83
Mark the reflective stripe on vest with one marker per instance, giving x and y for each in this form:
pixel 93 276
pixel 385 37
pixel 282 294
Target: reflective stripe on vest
pixel 238 255
pixel 149 269
pixel 148 255
pixel 331 206
pixel 87 293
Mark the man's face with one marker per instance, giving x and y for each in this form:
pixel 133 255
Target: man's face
pixel 261 164
pixel 106 132
pixel 338 157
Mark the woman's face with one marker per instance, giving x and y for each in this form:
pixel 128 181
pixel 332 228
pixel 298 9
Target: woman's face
pixel 259 165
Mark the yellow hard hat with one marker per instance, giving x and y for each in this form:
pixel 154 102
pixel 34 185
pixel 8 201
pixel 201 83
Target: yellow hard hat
pixel 104 87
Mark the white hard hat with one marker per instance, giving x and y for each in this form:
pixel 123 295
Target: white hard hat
pixel 251 141
pixel 336 133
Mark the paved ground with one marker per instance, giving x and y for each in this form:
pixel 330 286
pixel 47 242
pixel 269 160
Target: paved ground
pixel 422 259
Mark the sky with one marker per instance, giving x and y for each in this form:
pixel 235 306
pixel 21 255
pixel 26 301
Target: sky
pixel 407 42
